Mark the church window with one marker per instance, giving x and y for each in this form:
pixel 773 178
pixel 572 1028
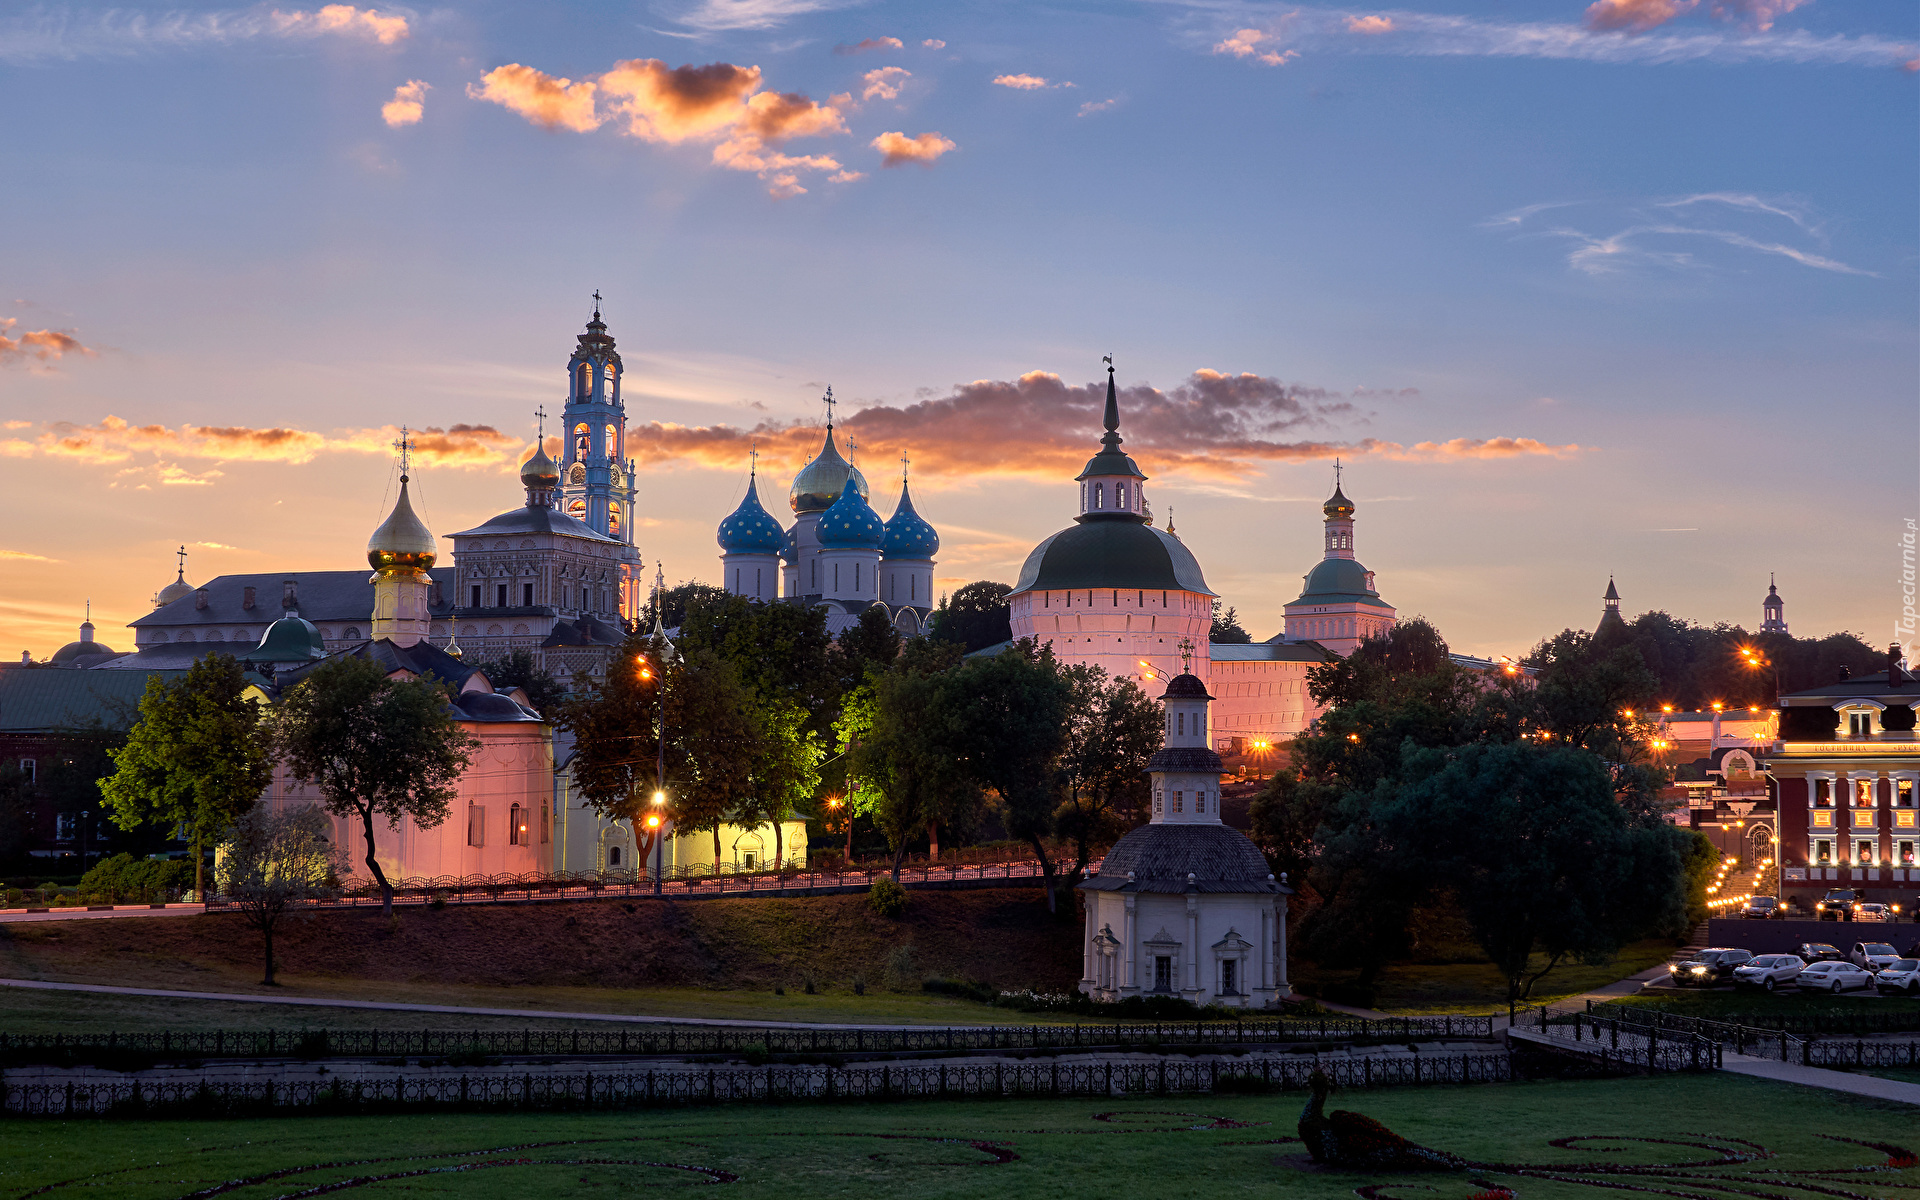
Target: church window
pixel 1179 801
pixel 577 509
pixel 613 442
pixel 582 441
pixel 584 382
pixel 546 826
pixel 476 825
pixel 1119 495
pixel 815 574
pixel 749 860
pixel 516 826
pixel 613 379
pixel 500 595
pixel 1159 801
pixel 613 856
pixel 526 595
pixel 1180 719
pixel 1163 973
pixel 1228 972
pixel 836 577
pixel 913 589
pixel 856 577
pixel 613 518
pixel 1099 495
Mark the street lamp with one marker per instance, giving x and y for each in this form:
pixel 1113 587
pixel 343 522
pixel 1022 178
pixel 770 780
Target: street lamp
pixel 656 825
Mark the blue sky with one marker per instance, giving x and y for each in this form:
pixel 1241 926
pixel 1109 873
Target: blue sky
pixel 1569 299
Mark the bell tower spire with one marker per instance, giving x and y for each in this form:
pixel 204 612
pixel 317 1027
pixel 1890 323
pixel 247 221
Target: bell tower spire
pixel 595 476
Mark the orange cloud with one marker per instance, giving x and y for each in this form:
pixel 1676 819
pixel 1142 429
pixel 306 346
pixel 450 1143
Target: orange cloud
pixel 407 105
pixel 675 104
pixel 885 83
pixel 898 148
pixel 934 44
pixel 777 116
pixel 343 18
pixel 1246 42
pixel 115 440
pixel 1369 25
pixel 42 345
pixel 1023 83
pixel 1634 16
pixel 539 97
pixel 1214 425
pixel 866 44
pixel 1754 14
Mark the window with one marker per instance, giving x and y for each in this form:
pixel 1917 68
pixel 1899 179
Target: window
pixel 516 826
pixel 613 517
pixel 1904 851
pixel 65 827
pixel 1163 973
pixel 1229 970
pixel 1863 793
pixel 500 595
pixel 1119 495
pixel 1822 852
pixel 577 509
pixel 526 595
pixel 584 383
pixel 613 439
pixel 1200 802
pixel 1099 495
pixel 1179 801
pixel 1859 724
pixel 1903 793
pixel 1181 721
pixel 546 826
pixel 749 860
pixel 856 577
pixel 1822 793
pixel 476 597
pixel 30 769
pixel 1863 852
pixel 613 856
pixel 476 825
pixel 1159 798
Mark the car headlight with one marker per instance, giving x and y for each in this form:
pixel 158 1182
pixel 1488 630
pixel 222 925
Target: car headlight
pixel 1699 970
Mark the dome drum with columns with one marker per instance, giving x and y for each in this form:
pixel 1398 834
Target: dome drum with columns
pixel 838 554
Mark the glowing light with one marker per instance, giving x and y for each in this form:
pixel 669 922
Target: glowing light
pixel 653 822
pixel 659 797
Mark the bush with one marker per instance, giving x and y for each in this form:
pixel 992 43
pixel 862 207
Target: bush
pixel 971 989
pixel 903 971
pixel 887 897
pixel 126 878
pixel 1356 994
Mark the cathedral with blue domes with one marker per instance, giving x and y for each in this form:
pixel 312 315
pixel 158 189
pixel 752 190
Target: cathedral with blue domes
pixel 838 554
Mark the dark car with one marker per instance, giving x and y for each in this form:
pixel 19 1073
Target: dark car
pixel 1815 952
pixel 1761 908
pixel 1837 905
pixel 1708 967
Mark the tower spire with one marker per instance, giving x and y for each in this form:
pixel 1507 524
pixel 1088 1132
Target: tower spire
pixel 1111 418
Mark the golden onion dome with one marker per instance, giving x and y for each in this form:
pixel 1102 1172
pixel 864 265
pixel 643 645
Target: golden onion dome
pixel 403 540
pixel 540 470
pixel 1337 505
pixel 821 481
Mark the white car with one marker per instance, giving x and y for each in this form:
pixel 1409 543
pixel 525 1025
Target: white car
pixel 1870 912
pixel 1902 976
pixel 1872 956
pixel 1835 977
pixel 1769 971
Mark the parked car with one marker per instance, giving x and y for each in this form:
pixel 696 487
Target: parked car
pixel 1769 971
pixel 1871 911
pixel 1710 966
pixel 1902 976
pixel 1837 905
pixel 1835 977
pixel 1871 956
pixel 1814 952
pixel 1761 908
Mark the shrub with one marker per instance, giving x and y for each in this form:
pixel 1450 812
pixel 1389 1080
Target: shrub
pixel 903 971
pixel 124 877
pixel 972 989
pixel 859 986
pixel 887 897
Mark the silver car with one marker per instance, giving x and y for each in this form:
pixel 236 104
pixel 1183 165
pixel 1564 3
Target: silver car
pixel 1769 971
pixel 1835 977
pixel 1872 956
pixel 1903 976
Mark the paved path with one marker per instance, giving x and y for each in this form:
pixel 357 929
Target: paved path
pixel 1820 1077
pixel 122 910
pixel 525 1013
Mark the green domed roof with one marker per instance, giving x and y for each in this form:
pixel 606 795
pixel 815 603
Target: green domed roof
pixel 288 640
pixel 1338 579
pixel 1111 550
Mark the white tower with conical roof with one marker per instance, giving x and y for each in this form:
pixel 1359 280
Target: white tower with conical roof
pixel 400 551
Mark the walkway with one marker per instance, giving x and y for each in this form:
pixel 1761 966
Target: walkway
pixel 1820 1077
pixel 99 911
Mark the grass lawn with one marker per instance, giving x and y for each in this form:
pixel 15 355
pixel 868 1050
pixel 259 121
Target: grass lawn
pixel 1174 1148
pixel 1476 987
pixel 23 1010
pixel 1725 1004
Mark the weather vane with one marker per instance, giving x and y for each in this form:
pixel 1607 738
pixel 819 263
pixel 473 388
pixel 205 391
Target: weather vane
pixel 404 445
pixel 1107 359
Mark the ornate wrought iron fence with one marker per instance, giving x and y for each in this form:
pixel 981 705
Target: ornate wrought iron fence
pixel 1749 1026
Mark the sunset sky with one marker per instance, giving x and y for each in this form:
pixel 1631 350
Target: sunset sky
pixel 1571 289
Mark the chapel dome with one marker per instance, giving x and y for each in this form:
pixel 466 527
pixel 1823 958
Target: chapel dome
pixel 751 529
pixel 179 589
pixel 908 533
pixel 850 524
pixel 1160 857
pixel 1337 505
pixel 83 652
pixel 540 471
pixel 1114 550
pixel 1185 686
pixel 1335 579
pixel 821 481
pixel 288 640
pixel 403 539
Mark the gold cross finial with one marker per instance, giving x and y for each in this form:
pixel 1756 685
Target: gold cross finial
pixel 753 460
pixel 1336 474
pixel 829 402
pixel 404 444
pixel 596 302
pixel 540 418
pixel 853 449
pixel 181 554
pixel 905 462
pixel 1186 656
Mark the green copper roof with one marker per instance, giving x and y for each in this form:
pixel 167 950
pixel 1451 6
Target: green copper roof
pixel 1111 550
pixel 1338 580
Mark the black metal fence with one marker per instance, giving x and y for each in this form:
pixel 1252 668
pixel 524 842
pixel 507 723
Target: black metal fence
pixel 1817 1024
pixel 1861 1054
pixel 655 1040
pixel 213 1096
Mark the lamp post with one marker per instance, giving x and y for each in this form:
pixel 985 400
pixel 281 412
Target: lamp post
pixel 656 823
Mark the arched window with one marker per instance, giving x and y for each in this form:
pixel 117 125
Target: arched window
pixel 613 517
pixel 613 443
pixel 516 826
pixel 1120 495
pixel 582 441
pixel 577 509
pixel 1099 495
pixel 584 381
pixel 613 856
pixel 613 380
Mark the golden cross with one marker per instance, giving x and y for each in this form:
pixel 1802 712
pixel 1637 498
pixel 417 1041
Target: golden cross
pixel 405 446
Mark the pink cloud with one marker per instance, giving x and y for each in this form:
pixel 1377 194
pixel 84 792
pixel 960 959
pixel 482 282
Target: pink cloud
pixel 407 105
pixel 343 18
pixel 1755 14
pixel 1634 16
pixel 1370 25
pixel 897 148
pixel 1247 43
pixel 41 345
pixel 885 83
pixel 866 44
pixel 1021 83
pixel 934 44
pixel 539 97
pixel 674 104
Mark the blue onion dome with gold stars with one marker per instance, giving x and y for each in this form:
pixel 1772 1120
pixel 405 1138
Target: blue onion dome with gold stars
pixel 908 534
pixel 787 549
pixel 851 523
pixel 820 482
pixel 403 541
pixel 1337 505
pixel 751 529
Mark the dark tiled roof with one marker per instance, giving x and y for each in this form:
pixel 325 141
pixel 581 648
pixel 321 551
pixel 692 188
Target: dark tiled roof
pixel 1185 686
pixel 587 631
pixel 1162 856
pixel 535 519
pixel 320 596
pixel 421 658
pixel 1274 649
pixel 33 698
pixel 1861 687
pixel 1184 758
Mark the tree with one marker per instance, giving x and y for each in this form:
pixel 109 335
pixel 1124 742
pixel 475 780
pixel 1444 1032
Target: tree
pixel 873 643
pixel 781 651
pixel 520 669
pixel 976 616
pixel 1006 719
pixel 1113 728
pixel 273 859
pixel 615 744
pixel 1531 841
pixel 375 747
pixel 199 756
pixel 785 774
pixel 1226 626
pixel 902 759
pixel 674 603
pixel 714 738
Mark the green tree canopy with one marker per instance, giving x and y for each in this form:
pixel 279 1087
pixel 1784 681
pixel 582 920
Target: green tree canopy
pixel 976 616
pixel 274 859
pixel 520 669
pixel 374 747
pixel 1113 728
pixel 1227 627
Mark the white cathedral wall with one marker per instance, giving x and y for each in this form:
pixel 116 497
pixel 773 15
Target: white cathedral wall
pixel 906 582
pixel 1118 628
pixel 1195 923
pixel 755 576
pixel 850 575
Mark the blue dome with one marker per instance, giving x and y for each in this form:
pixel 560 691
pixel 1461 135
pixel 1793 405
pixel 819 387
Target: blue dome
pixel 908 534
pixel 850 523
pixel 786 548
pixel 751 529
